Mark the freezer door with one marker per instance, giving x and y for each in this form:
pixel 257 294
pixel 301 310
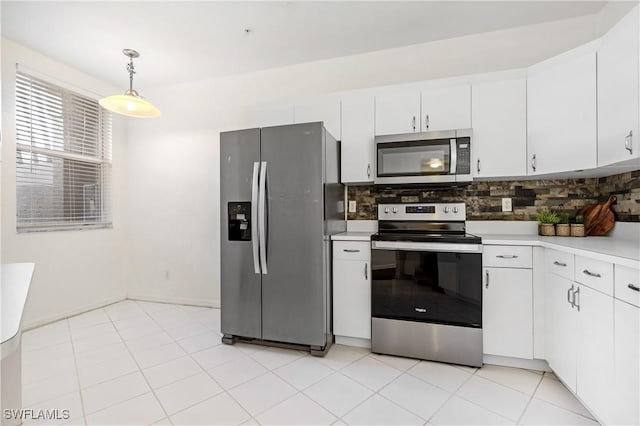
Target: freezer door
pixel 293 289
pixel 240 285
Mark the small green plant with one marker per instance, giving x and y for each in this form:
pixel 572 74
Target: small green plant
pixel 563 218
pixel 579 219
pixel 548 217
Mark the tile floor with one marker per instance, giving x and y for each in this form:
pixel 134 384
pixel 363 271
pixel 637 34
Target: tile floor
pixel 149 363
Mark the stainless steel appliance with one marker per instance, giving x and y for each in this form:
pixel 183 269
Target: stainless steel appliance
pixel 428 157
pixel 426 288
pixel 280 201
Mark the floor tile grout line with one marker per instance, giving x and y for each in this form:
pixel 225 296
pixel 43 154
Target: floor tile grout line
pixel 75 363
pixel 572 395
pixel 530 399
pixel 141 373
pixel 452 394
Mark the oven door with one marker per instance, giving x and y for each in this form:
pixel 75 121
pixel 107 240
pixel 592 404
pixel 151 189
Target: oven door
pixel 427 282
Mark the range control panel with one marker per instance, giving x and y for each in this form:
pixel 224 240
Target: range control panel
pixel 428 212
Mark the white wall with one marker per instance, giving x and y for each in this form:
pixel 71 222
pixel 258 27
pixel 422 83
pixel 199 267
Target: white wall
pixel 173 176
pixel 75 270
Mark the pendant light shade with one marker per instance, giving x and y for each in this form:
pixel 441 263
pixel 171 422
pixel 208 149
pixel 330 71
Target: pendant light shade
pixel 131 103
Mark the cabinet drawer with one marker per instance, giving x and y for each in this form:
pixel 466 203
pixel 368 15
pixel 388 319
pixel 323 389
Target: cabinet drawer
pixel 352 250
pixel 627 283
pixel 595 273
pixel 507 256
pixel 559 263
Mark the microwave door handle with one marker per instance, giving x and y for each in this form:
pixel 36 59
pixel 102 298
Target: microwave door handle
pixel 453 156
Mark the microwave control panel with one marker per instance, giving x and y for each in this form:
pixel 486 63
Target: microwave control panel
pixel 463 166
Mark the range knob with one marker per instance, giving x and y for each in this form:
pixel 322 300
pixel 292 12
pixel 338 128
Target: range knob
pixel 455 210
pixel 395 210
pixel 386 210
pixel 445 209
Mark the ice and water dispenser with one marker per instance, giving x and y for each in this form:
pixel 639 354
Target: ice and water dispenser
pixel 239 221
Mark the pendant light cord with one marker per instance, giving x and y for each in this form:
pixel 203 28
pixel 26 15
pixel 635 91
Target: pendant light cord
pixel 131 73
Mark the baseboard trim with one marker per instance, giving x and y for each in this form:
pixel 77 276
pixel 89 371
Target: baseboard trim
pixel 353 341
pixel 175 300
pixel 529 364
pixel 39 322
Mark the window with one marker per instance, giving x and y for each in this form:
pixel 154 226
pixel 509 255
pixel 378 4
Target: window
pixel 63 158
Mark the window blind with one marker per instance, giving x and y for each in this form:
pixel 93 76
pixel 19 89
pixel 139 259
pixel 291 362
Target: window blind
pixel 63 158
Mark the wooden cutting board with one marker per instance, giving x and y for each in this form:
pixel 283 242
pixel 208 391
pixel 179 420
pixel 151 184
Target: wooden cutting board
pixel 599 219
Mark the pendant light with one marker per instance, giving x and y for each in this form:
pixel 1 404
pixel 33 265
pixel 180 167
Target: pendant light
pixel 131 103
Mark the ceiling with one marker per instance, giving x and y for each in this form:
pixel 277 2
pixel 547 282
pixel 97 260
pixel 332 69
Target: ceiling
pixel 184 40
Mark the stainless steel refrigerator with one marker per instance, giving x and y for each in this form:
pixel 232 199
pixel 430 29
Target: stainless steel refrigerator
pixel 280 202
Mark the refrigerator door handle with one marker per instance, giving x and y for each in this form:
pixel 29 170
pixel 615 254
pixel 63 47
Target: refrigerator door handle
pixel 254 218
pixel 262 216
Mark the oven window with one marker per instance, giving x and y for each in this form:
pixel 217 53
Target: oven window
pixel 414 158
pixel 442 288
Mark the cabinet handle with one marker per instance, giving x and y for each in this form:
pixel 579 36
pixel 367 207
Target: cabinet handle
pixel 627 142
pixel 591 274
pixel 559 263
pixel 366 271
pixel 569 296
pixel 576 294
pixel 369 170
pixel 413 123
pixel 351 250
pixel 426 122
pixel 633 287
pixel 486 275
pixel 533 162
pixel 506 256
pixel 478 165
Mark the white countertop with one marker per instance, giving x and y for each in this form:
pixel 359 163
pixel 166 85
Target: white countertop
pixel 15 281
pixel 616 250
pixel 353 236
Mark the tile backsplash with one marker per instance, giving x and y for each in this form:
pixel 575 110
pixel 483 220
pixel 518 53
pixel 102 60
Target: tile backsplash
pixel 484 199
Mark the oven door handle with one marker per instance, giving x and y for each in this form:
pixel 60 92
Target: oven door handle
pixel 435 247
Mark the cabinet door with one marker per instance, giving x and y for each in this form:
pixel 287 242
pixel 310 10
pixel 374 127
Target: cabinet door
pixel 626 407
pixel 397 111
pixel 618 92
pixel 499 117
pixel 561 110
pixel 358 129
pixel 564 330
pixel 270 115
pixel 446 108
pixel 325 110
pixel 507 313
pixel 595 351
pixel 352 298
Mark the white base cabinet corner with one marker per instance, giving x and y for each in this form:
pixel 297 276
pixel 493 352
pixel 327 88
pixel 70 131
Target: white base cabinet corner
pixel 352 289
pixel 507 301
pixel 507 312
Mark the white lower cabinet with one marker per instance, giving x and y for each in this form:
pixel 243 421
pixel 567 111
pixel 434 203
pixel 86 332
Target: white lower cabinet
pixel 352 289
pixel 507 328
pixel 626 405
pixel 563 323
pixel 626 395
pixel 581 340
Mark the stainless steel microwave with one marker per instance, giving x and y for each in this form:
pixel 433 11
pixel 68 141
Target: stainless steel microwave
pixel 428 157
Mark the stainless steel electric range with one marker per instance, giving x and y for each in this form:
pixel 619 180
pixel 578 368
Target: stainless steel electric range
pixel 426 289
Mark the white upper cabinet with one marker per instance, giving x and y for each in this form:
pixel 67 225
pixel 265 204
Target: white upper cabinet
pixel 358 127
pixel 618 101
pixel 446 108
pixel 499 118
pixel 271 115
pixel 326 110
pixel 561 110
pixel 397 110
